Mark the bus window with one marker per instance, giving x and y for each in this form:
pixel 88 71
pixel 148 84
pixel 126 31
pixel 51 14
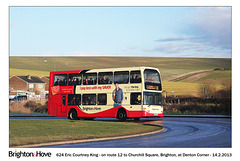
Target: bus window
pixel 152 80
pixel 60 80
pixel 121 77
pixel 151 98
pixel 89 99
pixel 75 79
pixel 64 100
pixel 151 76
pixel 89 78
pixel 105 77
pixel 102 99
pixel 74 99
pixel 136 98
pixel 135 77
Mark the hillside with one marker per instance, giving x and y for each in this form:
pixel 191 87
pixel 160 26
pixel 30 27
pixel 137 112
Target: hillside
pixel 181 75
pixel 170 67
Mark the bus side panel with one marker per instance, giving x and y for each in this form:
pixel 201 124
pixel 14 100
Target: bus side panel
pixel 54 105
pixel 134 113
pixel 107 113
pixel 52 109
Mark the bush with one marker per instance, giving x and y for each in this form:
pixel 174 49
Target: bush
pixel 196 108
pixel 37 106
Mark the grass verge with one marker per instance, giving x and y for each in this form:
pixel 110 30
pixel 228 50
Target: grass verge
pixel 31 131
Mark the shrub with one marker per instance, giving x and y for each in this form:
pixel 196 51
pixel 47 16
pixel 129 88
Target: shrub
pixel 19 107
pixel 37 106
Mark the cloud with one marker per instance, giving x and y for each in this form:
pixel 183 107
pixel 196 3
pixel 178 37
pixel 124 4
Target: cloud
pixel 214 23
pixel 132 47
pixel 172 48
pixel 172 38
pixel 207 34
pixel 187 49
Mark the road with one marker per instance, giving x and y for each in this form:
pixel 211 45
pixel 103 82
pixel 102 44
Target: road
pixel 179 132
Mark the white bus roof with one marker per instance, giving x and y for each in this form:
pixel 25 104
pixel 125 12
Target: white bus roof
pixel 120 69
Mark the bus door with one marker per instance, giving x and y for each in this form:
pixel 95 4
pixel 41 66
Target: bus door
pixel 64 103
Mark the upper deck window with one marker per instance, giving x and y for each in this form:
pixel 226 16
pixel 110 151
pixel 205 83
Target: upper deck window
pixel 135 77
pixel 75 79
pixel 60 80
pixel 121 77
pixel 152 80
pixel 89 78
pixel 105 77
pixel 151 76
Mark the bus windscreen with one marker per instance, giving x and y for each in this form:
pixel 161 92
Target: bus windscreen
pixel 152 80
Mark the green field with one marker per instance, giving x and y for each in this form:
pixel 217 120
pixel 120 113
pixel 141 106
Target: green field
pixel 22 132
pixel 180 88
pixel 191 71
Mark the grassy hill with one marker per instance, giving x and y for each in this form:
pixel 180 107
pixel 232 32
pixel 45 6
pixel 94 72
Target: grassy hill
pixel 186 74
pixel 169 67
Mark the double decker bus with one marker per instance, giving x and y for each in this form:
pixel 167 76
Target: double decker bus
pixel 90 93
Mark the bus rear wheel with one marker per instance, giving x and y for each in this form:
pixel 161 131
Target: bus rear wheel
pixel 72 115
pixel 121 115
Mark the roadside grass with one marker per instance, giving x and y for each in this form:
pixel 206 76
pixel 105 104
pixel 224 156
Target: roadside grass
pixel 31 131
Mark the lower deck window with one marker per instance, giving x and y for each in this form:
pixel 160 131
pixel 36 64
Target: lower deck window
pixel 89 99
pixel 136 98
pixel 74 99
pixel 102 99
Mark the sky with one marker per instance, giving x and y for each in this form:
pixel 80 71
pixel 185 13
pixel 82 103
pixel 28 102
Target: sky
pixel 203 32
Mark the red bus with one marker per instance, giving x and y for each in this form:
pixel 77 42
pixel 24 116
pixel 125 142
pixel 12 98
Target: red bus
pixel 122 93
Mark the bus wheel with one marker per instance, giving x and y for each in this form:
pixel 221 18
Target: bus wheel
pixel 72 115
pixel 121 115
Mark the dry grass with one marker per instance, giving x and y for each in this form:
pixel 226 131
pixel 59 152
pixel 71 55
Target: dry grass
pixel 20 106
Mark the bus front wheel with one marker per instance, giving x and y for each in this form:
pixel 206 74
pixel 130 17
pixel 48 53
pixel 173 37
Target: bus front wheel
pixel 72 115
pixel 121 115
